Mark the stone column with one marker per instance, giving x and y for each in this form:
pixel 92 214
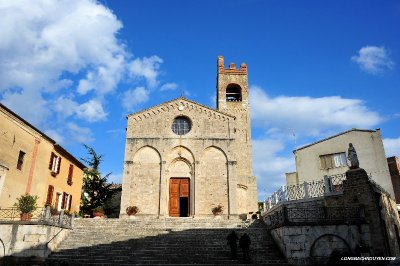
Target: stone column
pixel 193 189
pixel 195 177
pixel 163 192
pixel 232 189
pixel 126 188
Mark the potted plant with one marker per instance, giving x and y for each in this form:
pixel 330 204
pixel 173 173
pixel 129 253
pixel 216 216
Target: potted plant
pixel 26 204
pixel 54 211
pixel 217 210
pixel 132 210
pixel 98 212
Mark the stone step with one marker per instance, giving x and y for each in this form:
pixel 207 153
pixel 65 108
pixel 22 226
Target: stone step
pixel 161 242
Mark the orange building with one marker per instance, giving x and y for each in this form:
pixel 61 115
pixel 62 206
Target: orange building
pixel 31 162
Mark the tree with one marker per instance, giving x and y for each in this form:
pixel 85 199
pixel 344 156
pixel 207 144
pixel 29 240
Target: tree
pixel 95 190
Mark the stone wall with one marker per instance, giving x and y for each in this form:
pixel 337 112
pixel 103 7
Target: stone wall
pixel 304 245
pixel 394 169
pixel 25 240
pixel 368 225
pixel 379 208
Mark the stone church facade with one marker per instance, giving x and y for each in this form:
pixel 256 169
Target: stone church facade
pixel 183 158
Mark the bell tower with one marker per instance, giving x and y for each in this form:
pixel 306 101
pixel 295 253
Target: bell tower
pixel 233 99
pixel 232 86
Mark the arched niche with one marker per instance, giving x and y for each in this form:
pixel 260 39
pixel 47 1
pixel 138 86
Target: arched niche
pixel 213 180
pixel 328 247
pixel 147 154
pixel 145 182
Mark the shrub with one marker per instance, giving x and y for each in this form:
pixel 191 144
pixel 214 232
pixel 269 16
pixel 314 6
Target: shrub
pixel 26 203
pixel 54 211
pixel 98 210
pixel 217 209
pixel 132 210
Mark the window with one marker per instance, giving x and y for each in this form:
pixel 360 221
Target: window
pixel 181 125
pixel 57 204
pixel 20 160
pixel 70 173
pixel 49 198
pixel 333 160
pixel 55 163
pixel 233 93
pixel 69 202
pixel 64 201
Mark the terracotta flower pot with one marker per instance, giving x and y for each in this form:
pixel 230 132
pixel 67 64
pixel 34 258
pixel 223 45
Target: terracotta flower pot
pixel 98 214
pixel 26 216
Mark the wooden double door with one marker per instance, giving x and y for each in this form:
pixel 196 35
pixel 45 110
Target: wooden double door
pixel 179 195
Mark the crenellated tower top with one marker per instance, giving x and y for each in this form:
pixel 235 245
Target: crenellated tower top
pixel 232 67
pixel 232 87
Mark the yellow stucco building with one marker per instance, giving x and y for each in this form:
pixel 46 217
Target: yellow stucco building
pixel 31 162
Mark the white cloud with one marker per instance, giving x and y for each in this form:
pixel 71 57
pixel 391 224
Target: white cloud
pixel 55 36
pixel 269 166
pixel 169 87
pixel 392 147
pixel 91 111
pixel 64 52
pixel 80 134
pixel 213 101
pixel 29 104
pixel 310 116
pixel 55 136
pixel 373 59
pixel 65 106
pixel 133 97
pixel 148 68
pixel 286 119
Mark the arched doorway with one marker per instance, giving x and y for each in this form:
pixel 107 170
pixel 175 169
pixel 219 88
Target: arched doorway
pixel 179 188
pixel 179 197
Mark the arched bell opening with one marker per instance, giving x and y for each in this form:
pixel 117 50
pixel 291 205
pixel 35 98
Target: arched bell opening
pixel 233 93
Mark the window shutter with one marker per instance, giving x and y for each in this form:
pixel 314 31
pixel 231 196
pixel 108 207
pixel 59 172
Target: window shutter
pixel 63 201
pixel 329 161
pixel 70 173
pixel 59 165
pixel 49 198
pixel 57 200
pixel 51 160
pixel 323 162
pixel 70 202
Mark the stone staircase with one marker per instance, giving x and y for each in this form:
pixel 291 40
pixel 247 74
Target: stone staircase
pixel 168 241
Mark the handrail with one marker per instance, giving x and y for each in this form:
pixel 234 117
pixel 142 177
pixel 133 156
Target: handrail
pixel 41 215
pixel 329 185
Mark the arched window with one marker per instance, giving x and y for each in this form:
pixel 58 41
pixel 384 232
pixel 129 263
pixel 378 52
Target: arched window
pixel 233 93
pixel 181 125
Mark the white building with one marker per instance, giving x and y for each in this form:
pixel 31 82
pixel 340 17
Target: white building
pixel 329 157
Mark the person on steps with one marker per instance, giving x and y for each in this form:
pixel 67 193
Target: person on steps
pixel 244 243
pixel 232 238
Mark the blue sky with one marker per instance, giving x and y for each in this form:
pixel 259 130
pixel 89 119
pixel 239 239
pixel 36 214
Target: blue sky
pixel 316 68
